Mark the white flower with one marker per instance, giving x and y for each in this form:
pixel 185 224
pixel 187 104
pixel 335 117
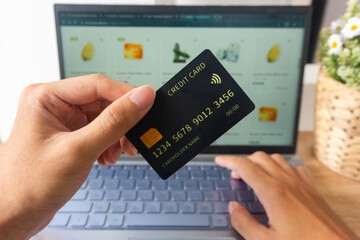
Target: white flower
pixel 344 72
pixel 335 25
pixel 351 5
pixel 345 53
pixel 351 28
pixel 335 43
pixel 355 52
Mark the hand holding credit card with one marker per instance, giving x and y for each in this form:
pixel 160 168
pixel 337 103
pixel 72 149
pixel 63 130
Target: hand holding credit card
pixel 194 108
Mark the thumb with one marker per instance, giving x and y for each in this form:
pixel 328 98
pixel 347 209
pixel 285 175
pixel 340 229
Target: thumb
pixel 114 121
pixel 244 223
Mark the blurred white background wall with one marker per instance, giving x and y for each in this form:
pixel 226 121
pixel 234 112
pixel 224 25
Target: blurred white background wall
pixel 28 50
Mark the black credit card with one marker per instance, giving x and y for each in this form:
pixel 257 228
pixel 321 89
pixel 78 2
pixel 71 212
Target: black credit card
pixel 193 109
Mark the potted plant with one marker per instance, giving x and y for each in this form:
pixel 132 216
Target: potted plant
pixel 337 114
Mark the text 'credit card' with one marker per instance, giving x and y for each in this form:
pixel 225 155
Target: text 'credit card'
pixel 191 110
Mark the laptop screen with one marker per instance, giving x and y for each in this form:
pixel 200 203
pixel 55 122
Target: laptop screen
pixel 262 48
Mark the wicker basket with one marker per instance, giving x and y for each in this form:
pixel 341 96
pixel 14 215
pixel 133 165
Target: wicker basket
pixel 337 126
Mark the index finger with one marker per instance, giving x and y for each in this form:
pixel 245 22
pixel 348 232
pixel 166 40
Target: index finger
pixel 86 89
pixel 253 175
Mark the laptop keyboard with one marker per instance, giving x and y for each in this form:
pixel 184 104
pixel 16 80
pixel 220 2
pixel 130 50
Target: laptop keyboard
pixel 134 197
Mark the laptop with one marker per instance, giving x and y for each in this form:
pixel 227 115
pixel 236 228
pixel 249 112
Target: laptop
pixel 264 49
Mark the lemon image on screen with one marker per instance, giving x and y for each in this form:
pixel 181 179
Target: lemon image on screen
pixel 87 52
pixel 273 54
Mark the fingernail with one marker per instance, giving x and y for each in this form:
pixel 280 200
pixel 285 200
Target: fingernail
pixel 143 96
pixel 116 155
pixel 134 150
pixel 101 163
pixel 232 206
pixel 107 162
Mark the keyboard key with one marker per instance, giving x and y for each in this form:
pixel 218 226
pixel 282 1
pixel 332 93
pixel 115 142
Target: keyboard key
pixel 107 173
pixel 261 218
pixel 84 184
pixel 178 195
pixel 118 207
pixel 245 205
pixel 115 220
pixel 227 196
pixel 212 196
pixel 94 173
pixel 101 207
pixel 142 167
pixel 217 168
pixel 170 178
pixel 129 195
pixel 205 207
pixel 80 195
pixel 256 207
pixel 219 221
pixel 206 167
pixel 96 195
pixel 117 167
pixel 187 207
pixel 129 167
pixel 96 183
pixel 76 206
pixel 195 196
pixel 182 174
pixel 183 169
pixel 175 184
pixel 78 220
pixel 136 207
pixel 127 184
pixel 159 185
pixel 146 195
pixel 60 220
pixel 122 174
pixel 143 184
pixel 167 220
pixel 151 174
pixel 197 174
pixel 222 185
pixel 237 184
pixel 212 175
pixel 245 196
pixel 221 207
pixel 206 185
pixel 152 207
pixel 162 195
pixel 112 195
pixel 97 220
pixel 193 167
pixel 191 185
pixel 170 207
pixel 225 174
pixel 111 183
pixel 137 174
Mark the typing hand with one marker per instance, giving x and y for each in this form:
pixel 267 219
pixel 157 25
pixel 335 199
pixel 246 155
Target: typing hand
pixel 293 205
pixel 60 130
